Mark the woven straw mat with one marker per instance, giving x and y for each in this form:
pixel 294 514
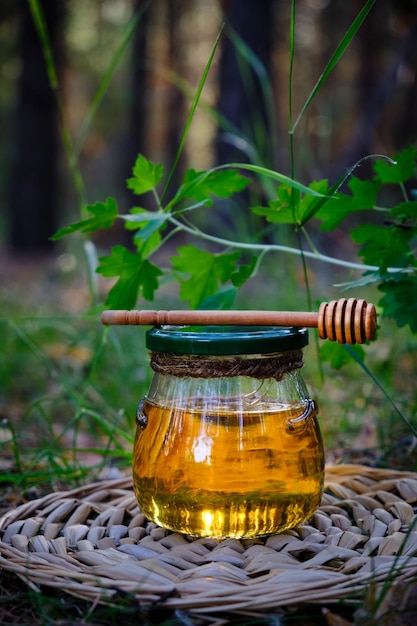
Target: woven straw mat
pixel 93 542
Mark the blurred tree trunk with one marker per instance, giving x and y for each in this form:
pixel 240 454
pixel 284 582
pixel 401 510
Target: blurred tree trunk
pixel 175 97
pixel 385 85
pixel 240 94
pixel 33 196
pixel 136 140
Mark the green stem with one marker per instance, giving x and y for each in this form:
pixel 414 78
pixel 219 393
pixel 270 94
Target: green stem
pixel 341 48
pixel 280 248
pixel 404 192
pixel 381 388
pixel 290 90
pixel 191 113
pixel 40 25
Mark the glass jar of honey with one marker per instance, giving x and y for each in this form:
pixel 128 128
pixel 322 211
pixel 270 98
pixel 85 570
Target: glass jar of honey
pixel 227 441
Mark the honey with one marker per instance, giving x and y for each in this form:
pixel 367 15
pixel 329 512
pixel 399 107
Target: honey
pixel 227 456
pixel 228 474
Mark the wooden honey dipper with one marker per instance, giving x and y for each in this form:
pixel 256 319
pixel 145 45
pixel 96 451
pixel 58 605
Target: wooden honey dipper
pixel 346 320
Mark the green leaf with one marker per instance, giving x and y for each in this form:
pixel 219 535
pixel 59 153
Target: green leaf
pixel 337 355
pixel 201 186
pixel 201 273
pixel 402 170
pixel 368 278
pixel 136 275
pixel 308 205
pixel 336 209
pixel 291 207
pixel 264 172
pixel 103 216
pixel 147 244
pixel 400 301
pixel 336 56
pixel 146 222
pixel 404 210
pixel 148 225
pixel 146 175
pixel 244 272
pixel 223 299
pixel 192 111
pixel 283 210
pixel 383 246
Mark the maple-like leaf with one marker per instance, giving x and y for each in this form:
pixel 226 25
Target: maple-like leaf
pixel 200 273
pixel 337 355
pixel 383 246
pixel 103 215
pixel 292 207
pixel 399 301
pixel 336 209
pixel 202 186
pixel 403 169
pixel 136 276
pixel 146 175
pixel 243 273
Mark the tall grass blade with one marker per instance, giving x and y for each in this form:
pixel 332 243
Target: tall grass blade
pixel 265 131
pixel 340 50
pixel 381 388
pixel 230 133
pixel 192 112
pixel 271 174
pixel 42 30
pixel 108 75
pixel 339 183
pixel 290 87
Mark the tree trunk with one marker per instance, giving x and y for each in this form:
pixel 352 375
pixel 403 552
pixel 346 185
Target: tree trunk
pixel 240 92
pixel 33 196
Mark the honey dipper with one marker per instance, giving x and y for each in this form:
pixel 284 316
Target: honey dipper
pixel 347 321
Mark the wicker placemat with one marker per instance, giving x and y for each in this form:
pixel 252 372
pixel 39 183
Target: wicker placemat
pixel 93 542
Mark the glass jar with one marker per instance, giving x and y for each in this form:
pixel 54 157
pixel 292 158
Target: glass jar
pixel 227 441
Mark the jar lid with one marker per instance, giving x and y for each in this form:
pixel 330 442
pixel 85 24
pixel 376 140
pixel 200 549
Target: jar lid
pixel 223 340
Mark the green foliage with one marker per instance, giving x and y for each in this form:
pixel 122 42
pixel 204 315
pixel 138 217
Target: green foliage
pixel 104 214
pixel 385 245
pixel 337 355
pixel 402 170
pixel 363 196
pixel 202 186
pixel 146 176
pixel 400 301
pixel 291 206
pixel 136 275
pixel 203 272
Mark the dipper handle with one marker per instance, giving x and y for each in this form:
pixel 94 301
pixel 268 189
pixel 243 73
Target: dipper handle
pixel 345 320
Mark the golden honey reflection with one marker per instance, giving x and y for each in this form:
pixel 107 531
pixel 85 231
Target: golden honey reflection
pixel 224 473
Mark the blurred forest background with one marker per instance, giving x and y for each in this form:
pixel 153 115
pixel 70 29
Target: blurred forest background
pixel 127 74
pixel 368 105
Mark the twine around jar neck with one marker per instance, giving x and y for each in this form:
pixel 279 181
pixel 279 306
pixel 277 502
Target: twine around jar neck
pixel 203 366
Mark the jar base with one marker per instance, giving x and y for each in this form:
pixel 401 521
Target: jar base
pixel 222 516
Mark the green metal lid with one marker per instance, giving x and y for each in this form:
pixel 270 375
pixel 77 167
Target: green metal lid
pixel 224 340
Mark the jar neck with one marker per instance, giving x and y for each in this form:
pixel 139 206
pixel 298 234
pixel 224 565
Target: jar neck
pixel 259 366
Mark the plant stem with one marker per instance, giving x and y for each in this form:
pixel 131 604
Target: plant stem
pixel 381 388
pixel 280 248
pixel 290 89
